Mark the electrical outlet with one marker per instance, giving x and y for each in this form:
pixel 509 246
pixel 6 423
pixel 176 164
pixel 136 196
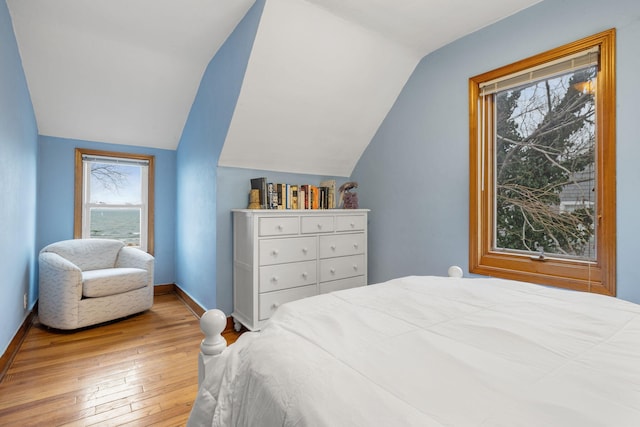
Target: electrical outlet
pixel 24 301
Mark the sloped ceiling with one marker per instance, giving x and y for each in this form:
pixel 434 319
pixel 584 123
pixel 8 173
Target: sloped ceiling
pixel 119 71
pixel 321 77
pixel 323 74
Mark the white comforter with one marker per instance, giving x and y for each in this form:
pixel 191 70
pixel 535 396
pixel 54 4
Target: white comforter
pixel 434 351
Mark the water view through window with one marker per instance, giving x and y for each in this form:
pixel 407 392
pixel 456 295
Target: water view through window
pixel 116 200
pixel 114 223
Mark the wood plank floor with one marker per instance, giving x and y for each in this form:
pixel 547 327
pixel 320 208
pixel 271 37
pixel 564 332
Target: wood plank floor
pixel 138 371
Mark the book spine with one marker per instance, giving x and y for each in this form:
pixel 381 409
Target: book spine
pixel 315 197
pixel 305 191
pixel 320 197
pixel 294 197
pixel 279 191
pixel 273 196
pixel 288 194
pixel 265 194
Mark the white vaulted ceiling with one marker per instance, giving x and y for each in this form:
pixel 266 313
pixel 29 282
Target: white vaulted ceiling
pixel 321 77
pixel 119 71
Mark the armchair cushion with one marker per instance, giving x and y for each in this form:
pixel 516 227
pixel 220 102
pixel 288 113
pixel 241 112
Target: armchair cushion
pixel 111 281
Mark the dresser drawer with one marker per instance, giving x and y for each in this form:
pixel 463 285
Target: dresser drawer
pixel 279 226
pixel 340 268
pixel 350 222
pixel 269 302
pixel 276 277
pixel 317 224
pixel 338 285
pixel 341 245
pixel 278 251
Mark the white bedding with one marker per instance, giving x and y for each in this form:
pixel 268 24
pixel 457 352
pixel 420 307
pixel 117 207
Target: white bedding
pixel 433 351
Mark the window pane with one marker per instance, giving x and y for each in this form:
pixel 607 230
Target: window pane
pixel 114 197
pixel 115 184
pixel 545 167
pixel 114 223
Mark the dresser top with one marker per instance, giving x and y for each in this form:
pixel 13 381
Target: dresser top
pixel 300 211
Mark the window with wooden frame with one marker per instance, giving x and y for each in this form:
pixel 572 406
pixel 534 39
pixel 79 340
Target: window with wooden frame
pixel 114 197
pixel 542 168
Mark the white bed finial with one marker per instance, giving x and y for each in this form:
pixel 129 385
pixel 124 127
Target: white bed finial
pixel 212 323
pixel 455 271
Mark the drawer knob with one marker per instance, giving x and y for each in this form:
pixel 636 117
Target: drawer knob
pixel 333 247
pixel 274 252
pixel 332 271
pixel 355 245
pixel 275 305
pixel 352 225
pixel 355 267
pixel 274 279
pixel 280 227
pixel 305 275
pixel 305 250
pixel 319 226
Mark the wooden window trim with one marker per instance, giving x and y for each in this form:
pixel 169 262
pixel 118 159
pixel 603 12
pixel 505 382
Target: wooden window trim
pixel 77 209
pixel 598 276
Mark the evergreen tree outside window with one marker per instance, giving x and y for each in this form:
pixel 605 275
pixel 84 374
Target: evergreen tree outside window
pixel 542 181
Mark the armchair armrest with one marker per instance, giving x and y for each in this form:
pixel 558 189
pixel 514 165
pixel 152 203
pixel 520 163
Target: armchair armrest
pixel 53 261
pixel 60 284
pixel 136 258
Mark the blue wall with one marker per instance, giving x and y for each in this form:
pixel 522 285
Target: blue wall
pixel 18 162
pixel 56 195
pixel 419 218
pixel 206 192
pixel 197 159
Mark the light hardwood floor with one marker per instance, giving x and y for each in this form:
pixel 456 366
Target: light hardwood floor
pixel 138 371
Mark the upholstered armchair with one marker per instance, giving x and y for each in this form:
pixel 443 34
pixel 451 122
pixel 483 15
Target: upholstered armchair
pixel 84 282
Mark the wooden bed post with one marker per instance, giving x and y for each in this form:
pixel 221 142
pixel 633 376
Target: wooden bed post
pixel 212 323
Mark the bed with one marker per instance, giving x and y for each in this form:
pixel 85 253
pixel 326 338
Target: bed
pixel 428 351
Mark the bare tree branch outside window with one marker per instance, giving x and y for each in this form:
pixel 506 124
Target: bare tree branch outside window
pixel 110 176
pixel 545 177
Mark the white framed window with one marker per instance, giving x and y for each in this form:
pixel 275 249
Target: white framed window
pixel 542 168
pixel 114 197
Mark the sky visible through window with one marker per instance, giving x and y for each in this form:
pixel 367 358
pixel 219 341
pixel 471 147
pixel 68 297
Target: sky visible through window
pixel 115 184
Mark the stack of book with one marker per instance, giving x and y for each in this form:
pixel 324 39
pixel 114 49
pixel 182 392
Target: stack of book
pixel 295 196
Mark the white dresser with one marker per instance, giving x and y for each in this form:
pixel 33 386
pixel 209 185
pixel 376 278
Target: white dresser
pixel 284 255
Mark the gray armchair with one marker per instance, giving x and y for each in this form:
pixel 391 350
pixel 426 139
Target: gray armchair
pixel 84 282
